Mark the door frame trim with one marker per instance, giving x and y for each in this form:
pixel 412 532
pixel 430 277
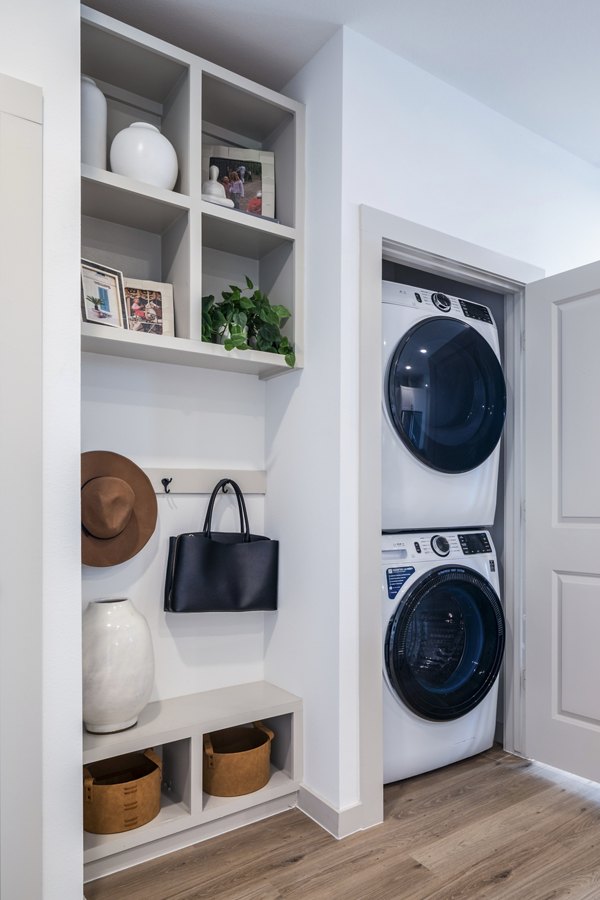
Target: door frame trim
pixel 383 235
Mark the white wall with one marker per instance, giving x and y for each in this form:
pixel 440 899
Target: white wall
pixel 179 417
pixel 39 43
pixel 413 146
pixel 303 440
pixel 418 148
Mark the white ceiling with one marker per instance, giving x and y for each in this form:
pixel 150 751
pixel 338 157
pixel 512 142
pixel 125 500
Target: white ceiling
pixel 535 61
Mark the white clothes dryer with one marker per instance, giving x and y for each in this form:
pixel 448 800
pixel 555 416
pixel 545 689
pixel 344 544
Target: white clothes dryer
pixel 443 643
pixel 444 405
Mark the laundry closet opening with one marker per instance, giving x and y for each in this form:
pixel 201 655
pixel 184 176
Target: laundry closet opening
pixel 416 255
pixel 457 396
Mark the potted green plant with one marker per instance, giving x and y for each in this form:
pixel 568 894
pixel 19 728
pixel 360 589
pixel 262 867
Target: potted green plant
pixel 245 319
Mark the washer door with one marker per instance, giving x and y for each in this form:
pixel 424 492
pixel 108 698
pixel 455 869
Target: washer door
pixel 445 642
pixel 446 395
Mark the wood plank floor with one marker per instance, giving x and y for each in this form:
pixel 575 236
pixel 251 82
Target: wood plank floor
pixel 494 826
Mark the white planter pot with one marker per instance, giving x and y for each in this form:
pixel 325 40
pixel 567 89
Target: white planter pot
pixel 118 665
pixel 142 152
pixel 93 124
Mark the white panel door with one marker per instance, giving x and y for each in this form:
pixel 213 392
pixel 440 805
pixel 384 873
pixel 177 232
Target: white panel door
pixel 562 588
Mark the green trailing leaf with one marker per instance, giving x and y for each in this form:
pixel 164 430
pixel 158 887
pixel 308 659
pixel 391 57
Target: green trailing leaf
pixel 236 342
pixel 247 320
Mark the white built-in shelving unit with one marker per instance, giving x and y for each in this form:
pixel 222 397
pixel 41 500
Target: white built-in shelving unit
pixel 200 248
pixel 176 236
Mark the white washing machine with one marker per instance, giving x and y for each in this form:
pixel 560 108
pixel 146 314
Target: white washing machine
pixel 444 405
pixel 443 643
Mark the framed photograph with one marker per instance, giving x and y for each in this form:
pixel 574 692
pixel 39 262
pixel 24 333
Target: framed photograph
pixel 248 177
pixel 102 294
pixel 149 307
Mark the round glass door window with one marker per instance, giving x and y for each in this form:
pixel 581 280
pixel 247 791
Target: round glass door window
pixel 445 642
pixel 446 395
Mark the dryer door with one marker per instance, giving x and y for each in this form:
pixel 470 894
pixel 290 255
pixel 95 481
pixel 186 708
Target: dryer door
pixel 446 395
pixel 445 642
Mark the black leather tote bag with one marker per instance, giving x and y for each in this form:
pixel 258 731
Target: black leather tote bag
pixel 211 571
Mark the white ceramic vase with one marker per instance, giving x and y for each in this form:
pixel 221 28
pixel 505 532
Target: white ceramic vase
pixel 118 665
pixel 142 152
pixel 93 124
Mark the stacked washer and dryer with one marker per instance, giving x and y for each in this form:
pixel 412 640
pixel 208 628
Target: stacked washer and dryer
pixel 444 405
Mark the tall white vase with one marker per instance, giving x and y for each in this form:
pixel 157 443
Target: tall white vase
pixel 142 152
pixel 93 124
pixel 118 665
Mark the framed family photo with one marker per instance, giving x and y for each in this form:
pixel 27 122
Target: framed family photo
pixel 102 294
pixel 149 307
pixel 248 177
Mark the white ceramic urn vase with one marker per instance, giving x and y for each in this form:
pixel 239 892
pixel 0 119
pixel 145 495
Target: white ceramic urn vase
pixel 142 152
pixel 118 665
pixel 93 124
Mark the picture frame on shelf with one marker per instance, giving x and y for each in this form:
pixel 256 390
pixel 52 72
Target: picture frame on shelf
pixel 149 307
pixel 254 170
pixel 102 294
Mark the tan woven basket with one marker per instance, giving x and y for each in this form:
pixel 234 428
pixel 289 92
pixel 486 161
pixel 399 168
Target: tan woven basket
pixel 237 760
pixel 122 793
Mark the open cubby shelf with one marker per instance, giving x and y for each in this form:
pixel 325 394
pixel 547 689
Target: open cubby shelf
pixel 175 728
pixel 176 236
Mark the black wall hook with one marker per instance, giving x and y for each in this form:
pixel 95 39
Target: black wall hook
pixel 165 483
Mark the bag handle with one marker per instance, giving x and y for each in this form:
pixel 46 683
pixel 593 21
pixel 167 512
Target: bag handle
pixel 244 525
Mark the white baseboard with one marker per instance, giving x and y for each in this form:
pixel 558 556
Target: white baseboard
pixel 338 822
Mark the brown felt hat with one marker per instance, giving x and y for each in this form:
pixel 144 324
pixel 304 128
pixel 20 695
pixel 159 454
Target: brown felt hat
pixel 118 508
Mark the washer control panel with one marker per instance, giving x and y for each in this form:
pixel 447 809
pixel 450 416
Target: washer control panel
pixel 474 542
pixel 406 548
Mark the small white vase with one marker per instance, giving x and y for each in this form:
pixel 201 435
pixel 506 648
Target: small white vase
pixel 93 124
pixel 118 665
pixel 142 152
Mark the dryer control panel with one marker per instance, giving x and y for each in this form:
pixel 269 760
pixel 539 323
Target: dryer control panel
pixel 435 301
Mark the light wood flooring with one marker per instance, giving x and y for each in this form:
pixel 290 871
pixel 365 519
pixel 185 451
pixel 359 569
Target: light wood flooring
pixel 494 826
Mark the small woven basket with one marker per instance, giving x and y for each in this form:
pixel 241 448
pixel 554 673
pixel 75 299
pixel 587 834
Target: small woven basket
pixel 122 793
pixel 237 760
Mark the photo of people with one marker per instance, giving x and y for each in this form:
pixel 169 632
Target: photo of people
pixel 149 307
pixel 144 310
pixel 242 180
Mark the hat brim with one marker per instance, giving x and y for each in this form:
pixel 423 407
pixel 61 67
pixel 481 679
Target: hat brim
pixel 141 525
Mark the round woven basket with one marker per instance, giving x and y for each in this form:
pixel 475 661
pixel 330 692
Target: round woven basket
pixel 237 760
pixel 122 793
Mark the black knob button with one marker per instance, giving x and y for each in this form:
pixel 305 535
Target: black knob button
pixel 441 301
pixel 440 545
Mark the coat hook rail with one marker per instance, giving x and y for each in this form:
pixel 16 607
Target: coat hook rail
pixel 202 481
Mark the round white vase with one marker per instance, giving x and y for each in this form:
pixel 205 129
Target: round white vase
pixel 93 124
pixel 118 665
pixel 142 152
